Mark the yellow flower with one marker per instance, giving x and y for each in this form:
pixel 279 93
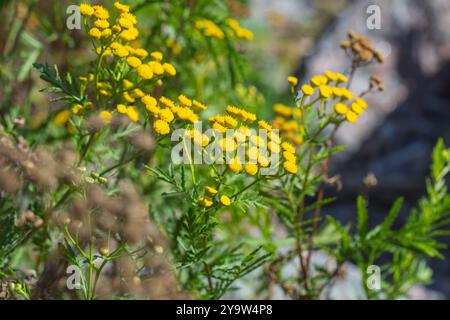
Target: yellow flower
pixel 184 113
pixel 166 115
pixel 292 80
pixel 95 33
pixel 121 7
pixel 288 156
pixel 130 49
pixel 245 131
pixel 76 108
pixel 134 62
pixel 100 12
pixel 251 168
pixel 340 108
pixel 170 69
pixel 227 144
pixel 128 98
pixel 235 165
pixel 297 139
pixel 225 200
pixel 145 72
pixel 319 80
pixel 119 50
pixel 205 202
pixel 219 128
pixel 157 55
pixel 356 108
pixel 341 77
pixel 361 102
pixel 138 93
pixel 288 147
pixel 149 101
pixel 62 117
pixel 193 118
pixel 307 90
pixel 105 93
pixel 86 9
pixel 229 121
pixel 239 137
pixel 330 75
pixel 141 53
pixel 167 102
pixel 351 117
pixel 273 147
pixel 200 139
pixel 105 34
pixel 116 28
pixel 121 108
pixel 161 127
pixel 337 92
pixel 346 94
pixel 290 167
pixel 198 105
pixel 127 84
pixel 129 16
pixel 257 141
pixel 102 24
pixel 234 111
pixel 130 34
pixel 263 161
pixel 282 110
pixel 106 117
pixel 132 114
pixel 211 191
pixel 325 91
pixel 156 67
pixel 274 136
pixel 253 153
pixel 125 23
pixel 152 109
pixel 264 125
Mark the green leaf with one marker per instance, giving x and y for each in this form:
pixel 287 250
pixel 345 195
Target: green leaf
pixel 362 218
pixel 392 215
pixel 52 76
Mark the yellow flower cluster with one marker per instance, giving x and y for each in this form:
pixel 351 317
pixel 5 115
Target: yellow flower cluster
pixel 258 149
pixel 328 86
pixel 351 113
pixel 212 195
pixel 113 37
pixel 116 38
pixel 286 122
pixel 210 29
pixel 237 31
pixel 166 111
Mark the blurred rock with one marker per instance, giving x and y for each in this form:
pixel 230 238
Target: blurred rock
pixel 396 135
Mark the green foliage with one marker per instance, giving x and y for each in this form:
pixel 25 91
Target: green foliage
pixel 401 252
pixel 69 87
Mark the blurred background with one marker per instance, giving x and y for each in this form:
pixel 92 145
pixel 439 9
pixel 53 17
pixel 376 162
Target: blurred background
pixel 388 149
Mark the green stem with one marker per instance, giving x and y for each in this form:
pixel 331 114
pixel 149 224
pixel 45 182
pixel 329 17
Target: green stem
pixel 246 187
pixel 122 163
pixel 191 165
pixel 86 148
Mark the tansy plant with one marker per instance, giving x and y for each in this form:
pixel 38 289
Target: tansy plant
pixel 153 194
pixel 125 84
